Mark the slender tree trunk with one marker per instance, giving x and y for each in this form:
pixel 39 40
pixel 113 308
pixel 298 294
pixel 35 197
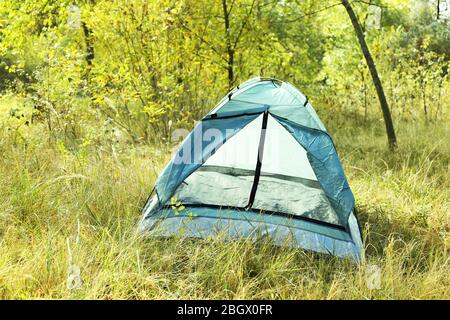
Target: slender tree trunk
pixel 366 108
pixel 89 46
pixel 88 39
pixel 230 49
pixel 438 108
pixel 438 14
pixel 424 99
pixel 392 140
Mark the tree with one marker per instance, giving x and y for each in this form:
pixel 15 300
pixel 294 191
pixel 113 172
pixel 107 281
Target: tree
pixel 230 49
pixel 88 38
pixel 231 44
pixel 234 18
pixel 438 9
pixel 392 139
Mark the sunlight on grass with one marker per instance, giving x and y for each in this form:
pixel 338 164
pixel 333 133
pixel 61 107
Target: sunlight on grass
pixel 50 198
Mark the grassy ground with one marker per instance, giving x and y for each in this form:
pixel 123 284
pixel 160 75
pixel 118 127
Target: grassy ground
pixel 61 208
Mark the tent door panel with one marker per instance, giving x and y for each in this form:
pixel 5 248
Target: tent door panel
pixel 289 184
pixel 286 181
pixel 227 177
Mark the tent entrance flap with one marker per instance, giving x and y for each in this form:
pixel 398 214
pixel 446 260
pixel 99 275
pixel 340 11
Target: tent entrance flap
pixel 273 174
pixel 228 185
pixel 259 160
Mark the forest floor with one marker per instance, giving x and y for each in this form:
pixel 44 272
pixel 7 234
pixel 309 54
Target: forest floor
pixel 62 210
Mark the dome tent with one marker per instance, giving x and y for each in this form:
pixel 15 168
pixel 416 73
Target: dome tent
pixel 260 163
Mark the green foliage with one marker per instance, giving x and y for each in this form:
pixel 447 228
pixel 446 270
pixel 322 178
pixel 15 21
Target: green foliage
pixel 49 199
pixel 90 91
pixel 143 68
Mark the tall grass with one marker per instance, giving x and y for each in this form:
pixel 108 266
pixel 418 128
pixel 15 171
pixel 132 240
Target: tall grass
pixel 62 208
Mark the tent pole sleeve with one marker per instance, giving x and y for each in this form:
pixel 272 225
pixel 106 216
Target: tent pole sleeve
pixel 262 140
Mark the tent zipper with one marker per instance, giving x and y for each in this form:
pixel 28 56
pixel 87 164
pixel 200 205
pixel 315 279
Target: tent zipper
pixel 262 140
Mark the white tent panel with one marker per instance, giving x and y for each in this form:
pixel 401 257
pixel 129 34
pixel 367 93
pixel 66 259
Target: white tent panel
pixel 226 178
pixel 283 154
pixel 241 150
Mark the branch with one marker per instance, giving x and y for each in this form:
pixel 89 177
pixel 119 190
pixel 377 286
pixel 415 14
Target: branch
pixel 314 12
pixel 204 41
pixel 308 14
pixel 231 7
pixel 243 25
pixel 369 3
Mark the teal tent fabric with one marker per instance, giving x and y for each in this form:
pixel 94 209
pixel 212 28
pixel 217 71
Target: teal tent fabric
pixel 174 173
pixel 325 162
pixel 208 182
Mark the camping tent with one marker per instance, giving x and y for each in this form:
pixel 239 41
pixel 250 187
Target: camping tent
pixel 261 163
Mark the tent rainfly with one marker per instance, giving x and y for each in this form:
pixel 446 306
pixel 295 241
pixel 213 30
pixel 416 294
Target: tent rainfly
pixel 261 163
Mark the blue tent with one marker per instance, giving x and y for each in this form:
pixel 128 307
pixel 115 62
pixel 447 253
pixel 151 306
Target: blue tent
pixel 261 163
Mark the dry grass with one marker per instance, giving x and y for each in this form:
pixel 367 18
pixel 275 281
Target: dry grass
pixel 90 199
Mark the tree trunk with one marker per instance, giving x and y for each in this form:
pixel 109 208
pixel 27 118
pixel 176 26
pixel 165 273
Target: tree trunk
pixel 438 14
pixel 424 98
pixel 88 39
pixel 230 49
pixel 392 140
pixel 89 46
